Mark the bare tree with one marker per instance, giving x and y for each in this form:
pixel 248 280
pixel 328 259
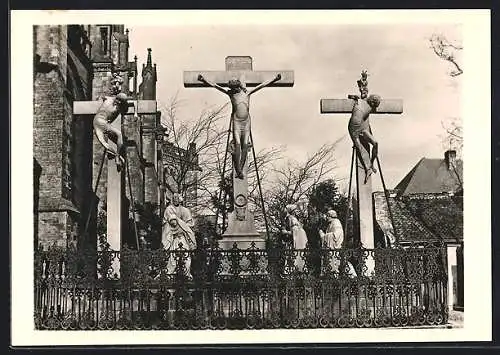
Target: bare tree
pixel 293 181
pixel 193 145
pixel 452 137
pixel 446 50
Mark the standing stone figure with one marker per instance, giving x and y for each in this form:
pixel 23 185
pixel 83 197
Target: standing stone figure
pixel 176 235
pixel 169 209
pixel 240 116
pixel 295 230
pixel 182 212
pixel 359 124
pixel 333 238
pixel 113 104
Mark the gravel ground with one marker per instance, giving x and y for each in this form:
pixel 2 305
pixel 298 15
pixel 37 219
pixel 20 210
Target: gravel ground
pixel 456 319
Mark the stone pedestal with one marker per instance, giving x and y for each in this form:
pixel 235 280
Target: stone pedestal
pixel 242 232
pixel 365 210
pixel 241 224
pixel 115 193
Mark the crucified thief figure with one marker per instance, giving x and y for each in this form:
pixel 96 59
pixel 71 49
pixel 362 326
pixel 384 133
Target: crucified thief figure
pixel 359 125
pixel 240 116
pixel 113 104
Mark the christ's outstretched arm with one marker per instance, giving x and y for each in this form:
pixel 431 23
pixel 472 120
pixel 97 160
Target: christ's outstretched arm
pixel 214 85
pixel 264 84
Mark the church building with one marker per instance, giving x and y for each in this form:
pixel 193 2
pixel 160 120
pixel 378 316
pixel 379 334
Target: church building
pixel 75 63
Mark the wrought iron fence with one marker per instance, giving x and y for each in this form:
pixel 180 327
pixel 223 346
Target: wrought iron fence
pixel 240 289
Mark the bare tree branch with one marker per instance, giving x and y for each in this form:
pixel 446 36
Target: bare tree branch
pixel 452 135
pixel 445 50
pixel 293 181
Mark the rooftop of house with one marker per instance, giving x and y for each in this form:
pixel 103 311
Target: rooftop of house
pixel 433 176
pixel 426 205
pixel 420 218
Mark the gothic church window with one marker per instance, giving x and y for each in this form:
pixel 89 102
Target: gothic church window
pixel 105 39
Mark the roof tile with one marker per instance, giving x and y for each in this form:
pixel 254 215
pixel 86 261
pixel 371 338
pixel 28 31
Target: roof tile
pixel 421 217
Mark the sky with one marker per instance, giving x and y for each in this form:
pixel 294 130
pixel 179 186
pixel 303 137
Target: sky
pixel 327 61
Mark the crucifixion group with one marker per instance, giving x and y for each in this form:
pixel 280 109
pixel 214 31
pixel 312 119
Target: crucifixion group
pixel 239 82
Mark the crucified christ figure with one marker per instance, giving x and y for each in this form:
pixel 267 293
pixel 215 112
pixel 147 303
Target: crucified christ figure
pixel 359 125
pixel 113 104
pixel 240 116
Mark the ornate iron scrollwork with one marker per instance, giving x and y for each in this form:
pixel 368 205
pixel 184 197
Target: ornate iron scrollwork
pixel 239 288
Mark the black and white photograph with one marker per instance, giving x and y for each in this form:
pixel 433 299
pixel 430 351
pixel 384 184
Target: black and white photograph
pixel 250 176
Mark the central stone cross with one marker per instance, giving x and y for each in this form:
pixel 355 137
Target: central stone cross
pixel 364 190
pixel 241 225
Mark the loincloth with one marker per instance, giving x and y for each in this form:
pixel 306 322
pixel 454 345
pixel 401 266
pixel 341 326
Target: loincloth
pixel 358 129
pixel 241 127
pixel 100 123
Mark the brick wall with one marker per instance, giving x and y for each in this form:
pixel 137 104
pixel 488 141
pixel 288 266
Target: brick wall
pixel 53 138
pixel 37 170
pixel 115 48
pixel 460 277
pixel 62 141
pixel 100 54
pixel 67 148
pixel 151 192
pixel 131 124
pixel 123 52
pixel 48 101
pixel 79 86
pixel 148 85
pixel 102 75
pixel 64 144
pixel 172 156
pixel 57 227
pixel 131 131
pixel 191 194
pixel 148 139
pixel 382 217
